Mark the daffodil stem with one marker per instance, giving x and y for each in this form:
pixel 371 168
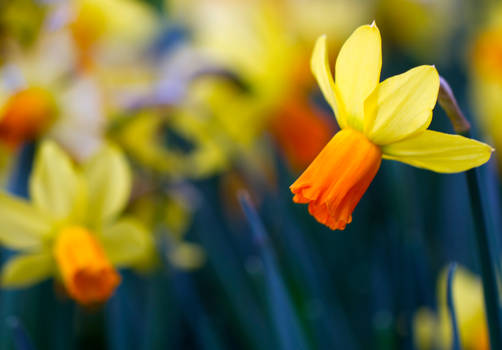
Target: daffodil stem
pixel 487 259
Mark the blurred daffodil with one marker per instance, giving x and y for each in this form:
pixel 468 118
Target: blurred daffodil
pixel 433 331
pixel 387 119
pixel 38 98
pixel 72 229
pixel 486 77
pixel 29 84
pixel 103 30
pixel 179 145
pixel 268 54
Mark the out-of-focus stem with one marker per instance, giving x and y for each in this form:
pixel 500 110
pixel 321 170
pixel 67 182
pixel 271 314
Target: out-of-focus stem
pixel 487 258
pixel 487 261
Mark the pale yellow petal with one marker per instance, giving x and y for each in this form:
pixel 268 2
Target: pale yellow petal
pixel 357 71
pixel 54 184
pixel 439 152
pixel 126 242
pixel 319 64
pixel 401 105
pixel 27 269
pixel 22 225
pixel 108 183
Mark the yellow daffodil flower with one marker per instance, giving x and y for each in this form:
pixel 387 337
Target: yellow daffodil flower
pixel 71 228
pixel 433 331
pixel 38 100
pixel 378 120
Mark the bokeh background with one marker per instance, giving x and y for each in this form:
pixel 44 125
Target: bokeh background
pixel 212 101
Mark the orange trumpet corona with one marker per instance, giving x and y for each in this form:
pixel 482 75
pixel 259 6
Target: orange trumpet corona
pixel 87 274
pixel 336 180
pixel 25 115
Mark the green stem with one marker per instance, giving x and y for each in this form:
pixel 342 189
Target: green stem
pixel 486 258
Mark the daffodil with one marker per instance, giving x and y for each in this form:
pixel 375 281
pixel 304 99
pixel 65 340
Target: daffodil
pixel 103 32
pixel 38 100
pixel 71 228
pixel 433 330
pixel 263 50
pixel 378 120
pixel 145 136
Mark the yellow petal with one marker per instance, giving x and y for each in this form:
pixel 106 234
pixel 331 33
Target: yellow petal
pixel 401 105
pixel 319 64
pixel 357 71
pixel 54 184
pixel 109 184
pixel 27 269
pixel 439 152
pixel 23 226
pixel 126 242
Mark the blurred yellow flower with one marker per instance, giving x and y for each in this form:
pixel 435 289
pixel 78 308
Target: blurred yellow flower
pixel 110 29
pixel 38 99
pixel 486 77
pixel 146 135
pixel 433 331
pixel 265 47
pixel 378 120
pixel 71 228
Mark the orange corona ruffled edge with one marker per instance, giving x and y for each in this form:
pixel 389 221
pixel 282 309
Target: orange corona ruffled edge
pixel 336 180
